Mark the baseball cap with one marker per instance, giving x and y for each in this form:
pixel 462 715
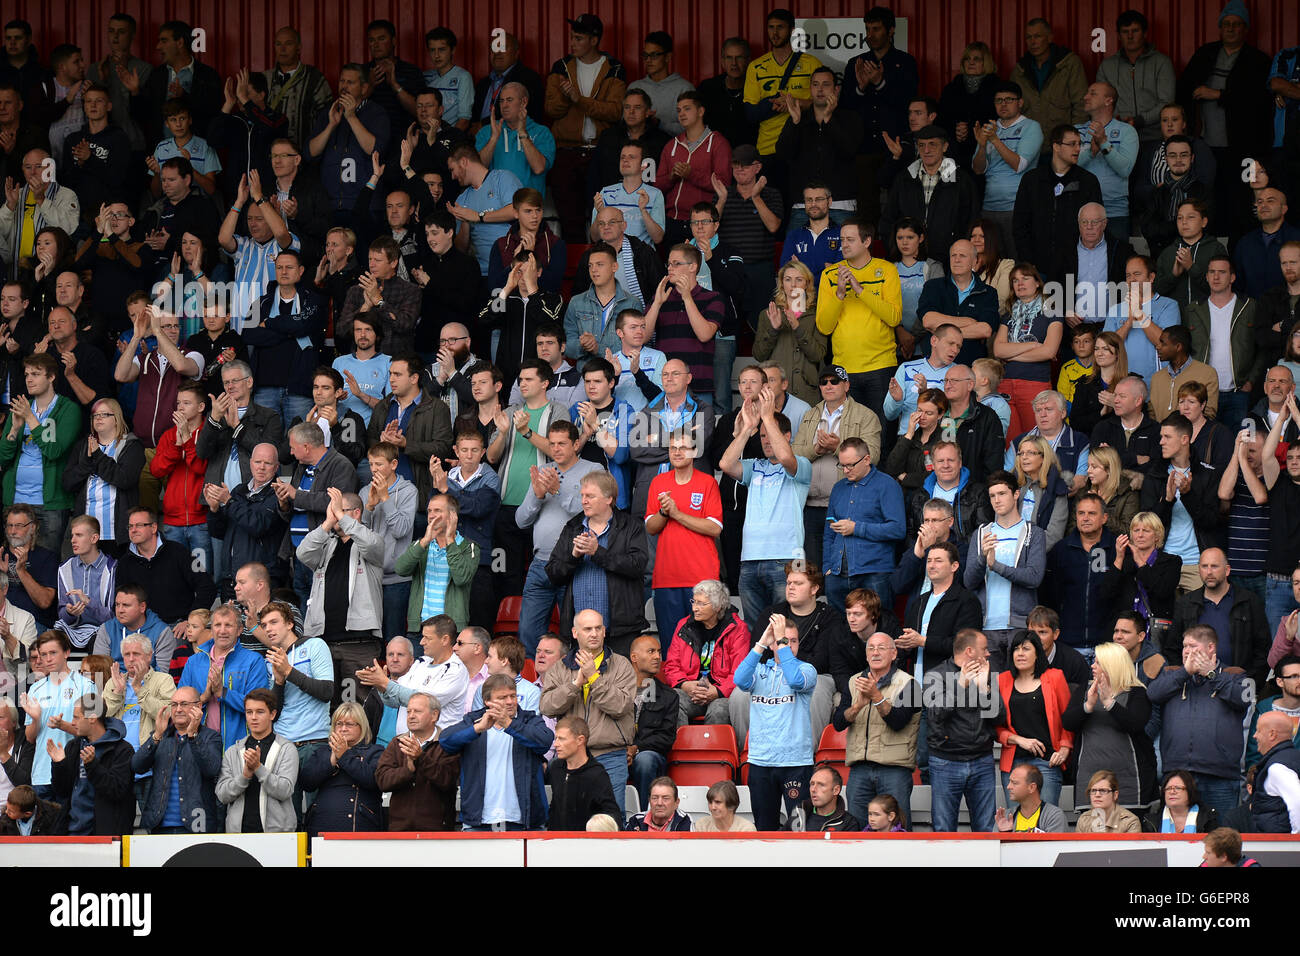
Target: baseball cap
pixel 588 24
pixel 833 371
pixel 744 155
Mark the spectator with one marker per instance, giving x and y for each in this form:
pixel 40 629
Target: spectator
pixel 85 588
pixel 1033 814
pixel 37 454
pixel 1223 848
pixel 655 710
pixel 706 649
pixel 824 811
pixel 528 232
pixel 502 748
pixel 881 756
pixel 1052 78
pixel 1235 613
pixel 780 738
pixel 1181 268
pixel 686 316
pixel 260 772
pixel 183 758
pixel 1076 570
pixel 1005 565
pixel 1004 152
pixel 1181 179
pixel 601 684
pixel 507 67
pixel 1043 493
pixel 908 460
pixel 92 773
pixel 580 787
pixel 1189 506
pixel 296 89
pixel 34 567
pixel 1149 74
pixel 940 610
pixel 962 299
pixel 951 196
pixel 1035 697
pixel 1257 252
pixel 471 647
pixel 960 730
pixel 1051 197
pixel 723 800
pixel 689 166
pixel 1275 800
pixel 920 374
pixel 1179 808
pixel 663 814
pixel 387 720
pixel 133 618
pixel 505 655
pixel 247 520
pixel 1203 703
pixel 1106 814
pixel 588 329
pixel 167 572
pixel 18 630
pixel 177 465
pixel 605 427
pixel 1133 434
pixel 1237 363
pixel 1109 148
pixel 980 433
pixel 355 126
pixel 775 71
pixel 1180 370
pixel 393 301
pixel 223 672
pixel 866 517
pixel 950 483
pixel 343 777
pixel 50 205
pixel 420 774
pixel 785 337
pixel 441 566
pixel 675 411
pixel 639 267
pixel 819 148
pixel 26 814
pixel 453 83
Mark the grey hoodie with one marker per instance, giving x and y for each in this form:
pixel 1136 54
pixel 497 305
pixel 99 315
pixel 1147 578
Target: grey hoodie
pixel 1025 574
pixel 1144 88
pixel 277 776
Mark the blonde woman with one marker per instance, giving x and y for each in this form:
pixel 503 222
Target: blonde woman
pixel 1105 814
pixel 1094 396
pixel 1146 578
pixel 1109 726
pixel 343 776
pixel 104 471
pixel 787 331
pixel 1106 479
pixel 1044 494
pixel 968 99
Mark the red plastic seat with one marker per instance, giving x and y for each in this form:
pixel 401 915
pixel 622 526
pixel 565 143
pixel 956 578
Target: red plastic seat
pixel 508 616
pixel 702 755
pixel 831 750
pixel 529 672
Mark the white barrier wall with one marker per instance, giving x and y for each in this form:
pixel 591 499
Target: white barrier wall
pixel 426 850
pixel 66 852
pixel 216 849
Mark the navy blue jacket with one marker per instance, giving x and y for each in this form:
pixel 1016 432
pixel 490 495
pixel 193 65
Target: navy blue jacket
pixel 1073 583
pixel 1269 814
pixel 279 357
pixel 347 797
pixel 1204 720
pixel 940 295
pixel 200 766
pixel 102 802
pixel 532 740
pixel 1255 260
pixel 251 528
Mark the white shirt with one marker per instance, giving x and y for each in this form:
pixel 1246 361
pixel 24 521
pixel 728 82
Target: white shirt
pixel 587 73
pixel 830 419
pixel 1221 342
pixel 1283 782
pixel 448 682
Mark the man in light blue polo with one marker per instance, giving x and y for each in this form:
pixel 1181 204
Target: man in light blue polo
pixel 1004 152
pixel 1142 316
pixel 1108 150
pixel 516 142
pixel 484 209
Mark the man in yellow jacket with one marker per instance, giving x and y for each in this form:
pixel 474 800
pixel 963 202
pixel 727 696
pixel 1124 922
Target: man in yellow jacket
pixel 859 305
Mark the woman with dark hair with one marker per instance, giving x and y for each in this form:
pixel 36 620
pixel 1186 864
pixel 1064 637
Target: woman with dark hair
pixel 1027 340
pixel 915 268
pixel 1179 809
pixel 990 264
pixel 52 253
pixel 104 471
pixel 1094 395
pixel 909 459
pixel 1035 697
pixel 195 270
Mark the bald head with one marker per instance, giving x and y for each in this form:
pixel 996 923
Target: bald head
pixel 1091 210
pixel 961 259
pixel 1272 729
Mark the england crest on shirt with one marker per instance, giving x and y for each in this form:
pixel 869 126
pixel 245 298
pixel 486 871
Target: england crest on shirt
pixel 697 499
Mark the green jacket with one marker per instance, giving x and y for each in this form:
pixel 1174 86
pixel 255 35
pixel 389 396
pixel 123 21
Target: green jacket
pixel 55 438
pixel 462 562
pixel 1247 360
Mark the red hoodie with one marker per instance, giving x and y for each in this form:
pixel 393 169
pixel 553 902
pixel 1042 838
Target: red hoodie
pixel 709 157
pixel 182 469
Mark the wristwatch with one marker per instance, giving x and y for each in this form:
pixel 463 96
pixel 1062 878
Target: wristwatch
pixel 480 215
pixel 528 435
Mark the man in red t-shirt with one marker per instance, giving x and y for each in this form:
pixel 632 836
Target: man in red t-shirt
pixel 684 508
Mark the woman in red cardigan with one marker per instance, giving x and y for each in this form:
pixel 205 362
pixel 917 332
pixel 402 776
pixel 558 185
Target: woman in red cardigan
pixel 1035 697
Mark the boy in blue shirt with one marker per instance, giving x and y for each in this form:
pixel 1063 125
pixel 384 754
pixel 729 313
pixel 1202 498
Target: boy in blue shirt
pixel 183 142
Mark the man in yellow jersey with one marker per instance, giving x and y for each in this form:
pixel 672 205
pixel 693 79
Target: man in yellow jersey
pixel 859 304
pixel 768 80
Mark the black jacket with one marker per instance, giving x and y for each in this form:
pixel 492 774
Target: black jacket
pixel 958 105
pixel 821 152
pixel 279 358
pixel 623 559
pixel 1046 225
pixel 51 820
pixel 122 472
pixel 982 440
pixel 1274 308
pixel 970 510
pixel 1144 442
pixel 1118 252
pixel 251 526
pixel 578 795
pixel 111 783
pixel 948 214
pixel 647 265
pixel 1072 664
pixel 18 768
pixel 656 720
pixel 1246 101
pixel 454 294
pixel 806 820
pixel 956 728
pixel 215 440
pixel 347 797
pixel 1075 586
pixel 1248 633
pixel 169 578
pixel 200 766
pixel 204 99
pixel 603 170
pixel 428 435
pixel 957 609
pixel 1159 580
pixel 820 633
pixel 519 73
pixel 1201 502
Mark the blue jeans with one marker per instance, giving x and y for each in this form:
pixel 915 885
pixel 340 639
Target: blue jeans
pixel 950 780
pixel 615 764
pixel 397 598
pixel 646 766
pixel 724 356
pixel 279 400
pixel 838 587
pixel 1221 793
pixel 195 539
pixel 540 597
pixel 671 605
pixel 769 786
pixel 1052 780
pixel 1279 601
pixel 762 584
pixel 1234 406
pixel 868 780
pixel 1255 583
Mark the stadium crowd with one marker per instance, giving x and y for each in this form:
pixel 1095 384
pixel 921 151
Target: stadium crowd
pixel 394 448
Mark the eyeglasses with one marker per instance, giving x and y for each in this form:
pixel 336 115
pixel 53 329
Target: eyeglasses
pixel 1092 222
pixel 702 222
pixel 184 703
pixel 1287 676
pixel 283 155
pixel 1099 791
pixel 346 723
pixel 1175 788
pixel 831 381
pixel 452 338
pixel 102 415
pixel 676 264
pixel 648 55
pixel 851 465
